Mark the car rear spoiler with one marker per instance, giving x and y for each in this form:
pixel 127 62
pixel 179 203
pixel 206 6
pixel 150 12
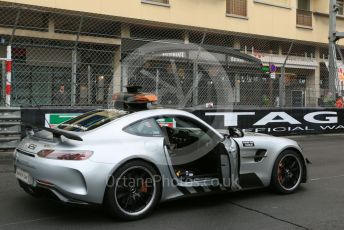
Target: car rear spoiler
pixel 56 132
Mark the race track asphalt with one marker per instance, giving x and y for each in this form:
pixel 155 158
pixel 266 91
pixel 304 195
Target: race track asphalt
pixel 319 204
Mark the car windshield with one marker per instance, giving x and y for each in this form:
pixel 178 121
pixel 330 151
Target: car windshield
pixel 91 120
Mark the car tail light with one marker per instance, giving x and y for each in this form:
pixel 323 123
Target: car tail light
pixel 72 155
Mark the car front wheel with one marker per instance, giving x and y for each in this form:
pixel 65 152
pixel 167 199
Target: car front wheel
pixel 133 191
pixel 287 172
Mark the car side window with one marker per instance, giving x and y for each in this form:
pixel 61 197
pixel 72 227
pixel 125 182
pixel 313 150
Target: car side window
pixel 147 128
pixel 183 132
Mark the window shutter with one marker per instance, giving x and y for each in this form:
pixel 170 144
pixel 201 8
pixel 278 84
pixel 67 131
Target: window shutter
pixel 237 7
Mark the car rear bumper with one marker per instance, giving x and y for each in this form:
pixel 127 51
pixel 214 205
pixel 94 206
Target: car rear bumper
pixel 70 181
pixel 50 193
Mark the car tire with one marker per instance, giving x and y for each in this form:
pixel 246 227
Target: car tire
pixel 133 191
pixel 287 172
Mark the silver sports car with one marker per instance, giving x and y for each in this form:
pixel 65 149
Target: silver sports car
pixel 131 161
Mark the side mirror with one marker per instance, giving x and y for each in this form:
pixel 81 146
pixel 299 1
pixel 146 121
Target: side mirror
pixel 235 132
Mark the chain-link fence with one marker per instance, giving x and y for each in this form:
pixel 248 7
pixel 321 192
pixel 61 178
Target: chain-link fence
pixel 59 74
pixel 58 58
pixel 188 75
pixel 64 58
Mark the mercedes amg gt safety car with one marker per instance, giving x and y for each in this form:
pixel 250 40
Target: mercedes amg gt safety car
pixel 131 161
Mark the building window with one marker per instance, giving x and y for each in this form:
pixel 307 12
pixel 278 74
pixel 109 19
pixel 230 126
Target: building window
pixel 304 5
pixel 146 128
pixel 304 14
pixel 237 7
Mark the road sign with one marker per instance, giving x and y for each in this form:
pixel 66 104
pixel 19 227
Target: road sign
pixel 273 68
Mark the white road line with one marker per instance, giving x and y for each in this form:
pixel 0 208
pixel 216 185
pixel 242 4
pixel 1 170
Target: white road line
pixel 27 221
pixel 329 177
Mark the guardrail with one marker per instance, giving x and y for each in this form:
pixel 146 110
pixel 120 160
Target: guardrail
pixel 10 129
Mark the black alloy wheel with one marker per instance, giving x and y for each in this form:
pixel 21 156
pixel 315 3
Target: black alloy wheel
pixel 134 191
pixel 287 172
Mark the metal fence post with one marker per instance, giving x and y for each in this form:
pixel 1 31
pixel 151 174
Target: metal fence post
pixel 195 83
pixel 332 65
pixel 75 64
pixel 3 81
pixel 8 76
pixel 73 81
pixel 117 70
pixel 89 85
pixel 282 78
pixel 8 87
pixel 282 87
pixel 196 79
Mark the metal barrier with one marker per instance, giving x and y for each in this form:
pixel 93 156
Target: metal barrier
pixel 10 130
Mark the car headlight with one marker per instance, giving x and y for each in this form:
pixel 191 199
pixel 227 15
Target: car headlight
pixel 71 155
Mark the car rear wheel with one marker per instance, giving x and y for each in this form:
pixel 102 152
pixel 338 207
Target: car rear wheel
pixel 287 172
pixel 134 191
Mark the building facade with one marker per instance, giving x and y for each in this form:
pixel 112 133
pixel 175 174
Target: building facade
pixel 81 45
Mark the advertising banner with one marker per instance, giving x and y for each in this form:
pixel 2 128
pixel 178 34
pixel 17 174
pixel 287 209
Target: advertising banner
pixel 278 122
pixel 54 119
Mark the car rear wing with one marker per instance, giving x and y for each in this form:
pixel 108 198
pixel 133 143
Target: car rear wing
pixel 56 132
